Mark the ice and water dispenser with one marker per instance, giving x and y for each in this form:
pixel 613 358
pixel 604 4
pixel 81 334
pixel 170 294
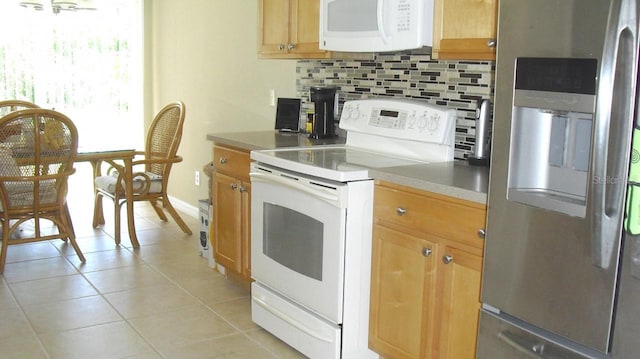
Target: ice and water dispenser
pixel 552 116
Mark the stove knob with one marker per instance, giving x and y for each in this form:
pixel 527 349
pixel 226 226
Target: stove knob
pixel 422 122
pixel 411 121
pixel 355 113
pixel 434 123
pixel 346 113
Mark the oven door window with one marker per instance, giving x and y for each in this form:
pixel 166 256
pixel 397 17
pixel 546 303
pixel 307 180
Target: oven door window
pixel 293 239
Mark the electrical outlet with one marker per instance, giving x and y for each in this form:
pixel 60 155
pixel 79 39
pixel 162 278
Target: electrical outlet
pixel 197 178
pixel 272 97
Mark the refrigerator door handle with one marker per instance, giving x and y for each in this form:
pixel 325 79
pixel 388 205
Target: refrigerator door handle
pixel 526 347
pixel 533 347
pixel 612 130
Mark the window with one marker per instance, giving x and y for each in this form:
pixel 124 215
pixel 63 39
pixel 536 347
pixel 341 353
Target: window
pixel 86 64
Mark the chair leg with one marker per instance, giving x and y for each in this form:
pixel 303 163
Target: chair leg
pixel 176 216
pixel 67 216
pixel 158 210
pixel 74 244
pixel 116 218
pixel 98 215
pixel 67 228
pixel 5 243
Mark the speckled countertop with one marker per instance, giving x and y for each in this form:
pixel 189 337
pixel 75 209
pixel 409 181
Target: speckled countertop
pixel 266 140
pixel 456 179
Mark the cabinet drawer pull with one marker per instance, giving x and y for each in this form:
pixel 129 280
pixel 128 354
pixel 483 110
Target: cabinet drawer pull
pixel 481 233
pixel 492 43
pixel 447 259
pixel 401 211
pixel 223 160
pixel 426 251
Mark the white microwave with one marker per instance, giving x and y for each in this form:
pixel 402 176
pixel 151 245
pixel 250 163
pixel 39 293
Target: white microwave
pixel 375 25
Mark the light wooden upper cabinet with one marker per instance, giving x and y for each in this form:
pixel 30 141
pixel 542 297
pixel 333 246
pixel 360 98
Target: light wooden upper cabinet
pixel 465 29
pixel 289 29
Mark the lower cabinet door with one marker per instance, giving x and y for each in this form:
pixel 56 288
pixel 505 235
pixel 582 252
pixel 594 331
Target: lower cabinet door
pixel 402 294
pixel 460 309
pixel 227 222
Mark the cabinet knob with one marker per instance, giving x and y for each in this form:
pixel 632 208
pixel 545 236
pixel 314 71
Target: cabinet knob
pixel 234 185
pixel 426 251
pixel 281 47
pixel 447 259
pixel 401 211
pixel 223 160
pixel 481 233
pixel 492 43
pixel 291 47
pixel 242 189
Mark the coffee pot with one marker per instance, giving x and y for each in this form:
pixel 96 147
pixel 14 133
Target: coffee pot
pixel 325 100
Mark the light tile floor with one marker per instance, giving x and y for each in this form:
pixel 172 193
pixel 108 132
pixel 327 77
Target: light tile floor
pixel 159 301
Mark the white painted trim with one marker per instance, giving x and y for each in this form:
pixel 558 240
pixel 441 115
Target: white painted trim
pixel 185 207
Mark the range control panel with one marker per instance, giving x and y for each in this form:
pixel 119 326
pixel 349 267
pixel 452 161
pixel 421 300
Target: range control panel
pixel 403 119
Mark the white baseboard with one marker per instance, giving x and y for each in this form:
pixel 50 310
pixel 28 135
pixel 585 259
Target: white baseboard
pixel 185 207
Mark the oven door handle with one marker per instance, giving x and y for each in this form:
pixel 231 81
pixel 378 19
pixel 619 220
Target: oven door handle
pixel 291 321
pixel 327 197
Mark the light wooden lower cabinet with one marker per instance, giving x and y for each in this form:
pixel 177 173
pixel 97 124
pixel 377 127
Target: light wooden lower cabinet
pixel 426 272
pixel 231 230
pixel 403 284
pixel 460 305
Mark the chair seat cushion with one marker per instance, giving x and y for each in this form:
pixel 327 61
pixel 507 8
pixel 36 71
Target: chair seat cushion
pixel 108 183
pixel 20 194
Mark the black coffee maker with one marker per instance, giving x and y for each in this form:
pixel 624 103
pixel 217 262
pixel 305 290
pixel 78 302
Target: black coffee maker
pixel 325 102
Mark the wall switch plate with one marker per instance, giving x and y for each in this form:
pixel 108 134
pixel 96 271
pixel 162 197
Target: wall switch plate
pixel 197 178
pixel 272 97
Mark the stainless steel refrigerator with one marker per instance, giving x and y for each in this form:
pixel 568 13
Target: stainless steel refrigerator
pixel 562 262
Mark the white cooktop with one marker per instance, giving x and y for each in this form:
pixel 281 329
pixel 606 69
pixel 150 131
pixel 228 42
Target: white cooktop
pixel 339 163
pixel 380 133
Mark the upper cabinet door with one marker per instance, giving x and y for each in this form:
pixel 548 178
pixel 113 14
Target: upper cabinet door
pixel 273 26
pixel 305 26
pixel 289 29
pixel 465 29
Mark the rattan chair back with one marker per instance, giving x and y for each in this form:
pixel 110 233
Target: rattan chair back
pixel 37 150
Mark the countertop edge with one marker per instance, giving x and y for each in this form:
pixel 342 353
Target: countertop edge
pixel 429 186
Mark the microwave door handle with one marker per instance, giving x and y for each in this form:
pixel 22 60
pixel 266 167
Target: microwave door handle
pixel 380 16
pixel 612 130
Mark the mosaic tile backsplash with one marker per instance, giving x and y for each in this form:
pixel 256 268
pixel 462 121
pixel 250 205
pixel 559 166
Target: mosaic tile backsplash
pixel 407 74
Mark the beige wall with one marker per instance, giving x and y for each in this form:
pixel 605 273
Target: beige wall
pixel 204 52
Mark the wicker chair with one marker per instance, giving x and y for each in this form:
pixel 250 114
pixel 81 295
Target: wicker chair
pixel 35 165
pixel 8 106
pixel 151 170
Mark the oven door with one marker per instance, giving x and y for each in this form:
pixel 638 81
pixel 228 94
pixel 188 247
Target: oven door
pixel 298 238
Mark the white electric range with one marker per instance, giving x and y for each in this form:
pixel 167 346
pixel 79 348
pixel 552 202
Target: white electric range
pixel 311 211
pixel 380 133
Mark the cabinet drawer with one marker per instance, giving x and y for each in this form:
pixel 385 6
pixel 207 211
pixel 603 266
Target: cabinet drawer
pixel 231 161
pixel 426 212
